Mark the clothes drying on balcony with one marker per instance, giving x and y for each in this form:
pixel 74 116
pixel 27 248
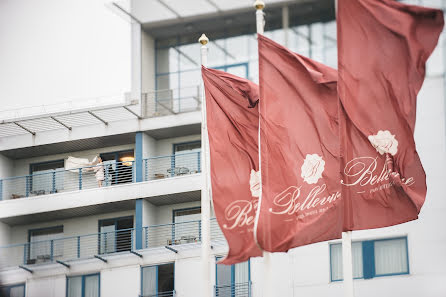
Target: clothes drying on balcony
pixel 73 164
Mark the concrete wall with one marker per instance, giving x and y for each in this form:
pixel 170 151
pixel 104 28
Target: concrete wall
pixel 64 51
pixel 46 287
pixel 165 146
pixel 121 281
pixel 6 166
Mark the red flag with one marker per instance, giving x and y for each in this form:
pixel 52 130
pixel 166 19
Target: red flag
pixel 383 48
pixel 233 123
pixel 300 202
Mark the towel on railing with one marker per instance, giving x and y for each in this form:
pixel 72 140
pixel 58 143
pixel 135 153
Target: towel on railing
pixel 73 164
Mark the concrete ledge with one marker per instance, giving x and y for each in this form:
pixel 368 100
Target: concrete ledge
pixel 89 197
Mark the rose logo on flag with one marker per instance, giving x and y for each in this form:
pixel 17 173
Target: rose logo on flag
pixel 311 170
pixel 254 183
pixel 384 142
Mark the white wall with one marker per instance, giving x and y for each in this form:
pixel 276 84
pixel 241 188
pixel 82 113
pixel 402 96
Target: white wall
pixel 165 146
pixel 121 281
pixel 56 51
pixel 6 166
pixel 46 287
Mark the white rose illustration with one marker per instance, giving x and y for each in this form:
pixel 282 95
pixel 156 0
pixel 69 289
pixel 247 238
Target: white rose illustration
pixel 311 170
pixel 384 142
pixel 254 183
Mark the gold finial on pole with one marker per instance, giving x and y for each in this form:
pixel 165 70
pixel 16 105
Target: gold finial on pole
pixel 203 39
pixel 259 4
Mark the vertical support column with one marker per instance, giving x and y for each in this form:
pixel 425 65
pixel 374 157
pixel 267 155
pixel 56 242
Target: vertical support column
pixel 138 224
pixel 199 161
pixel 138 157
pixel 1 189
pixel 52 250
pixel 205 193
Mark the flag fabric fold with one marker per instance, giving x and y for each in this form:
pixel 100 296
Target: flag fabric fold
pixel 383 47
pixel 299 143
pixel 233 123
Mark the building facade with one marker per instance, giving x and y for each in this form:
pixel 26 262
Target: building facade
pixel 131 225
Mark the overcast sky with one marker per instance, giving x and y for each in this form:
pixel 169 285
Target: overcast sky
pixel 54 51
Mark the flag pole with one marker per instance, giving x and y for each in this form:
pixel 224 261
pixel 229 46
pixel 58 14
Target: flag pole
pixel 347 255
pixel 347 263
pixel 267 271
pixel 205 197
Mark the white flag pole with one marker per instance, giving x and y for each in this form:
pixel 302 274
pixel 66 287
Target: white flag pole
pixel 205 198
pixel 347 255
pixel 347 263
pixel 267 268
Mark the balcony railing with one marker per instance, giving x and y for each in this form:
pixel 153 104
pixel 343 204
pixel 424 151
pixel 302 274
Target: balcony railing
pixel 115 173
pixel 105 243
pixel 234 290
pixel 172 165
pixel 161 294
pixel 171 101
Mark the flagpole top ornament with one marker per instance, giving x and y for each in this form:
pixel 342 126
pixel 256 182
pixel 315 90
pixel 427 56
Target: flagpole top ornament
pixel 259 4
pixel 203 39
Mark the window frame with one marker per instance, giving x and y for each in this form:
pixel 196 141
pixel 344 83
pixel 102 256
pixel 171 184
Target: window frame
pixel 115 220
pixel 83 283
pixel 368 258
pixel 9 287
pixel 157 271
pixel 217 258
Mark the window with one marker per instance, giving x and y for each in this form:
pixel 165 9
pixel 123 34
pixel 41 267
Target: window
pixel 83 286
pixel 187 225
pixel 45 244
pixel 13 291
pixel 158 280
pixel 47 177
pixel 372 258
pixel 187 157
pixel 116 235
pixel 233 280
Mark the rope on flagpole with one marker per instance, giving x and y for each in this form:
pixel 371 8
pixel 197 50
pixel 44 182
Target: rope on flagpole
pixel 205 197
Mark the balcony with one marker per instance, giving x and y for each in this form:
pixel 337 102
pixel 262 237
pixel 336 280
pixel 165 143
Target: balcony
pixel 115 173
pixel 66 249
pixel 234 290
pixel 161 294
pixel 171 101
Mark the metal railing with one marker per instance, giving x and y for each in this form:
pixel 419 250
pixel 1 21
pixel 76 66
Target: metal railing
pixel 234 290
pixel 61 180
pixel 171 101
pixel 161 294
pixel 114 173
pixel 104 243
pixel 172 165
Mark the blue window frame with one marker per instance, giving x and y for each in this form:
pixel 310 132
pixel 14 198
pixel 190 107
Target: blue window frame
pixel 17 290
pixel 158 280
pixel 88 285
pixel 233 280
pixel 239 69
pixel 372 258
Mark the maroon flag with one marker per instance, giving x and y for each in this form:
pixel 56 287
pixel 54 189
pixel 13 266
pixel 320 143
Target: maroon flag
pixel 383 48
pixel 300 202
pixel 233 124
